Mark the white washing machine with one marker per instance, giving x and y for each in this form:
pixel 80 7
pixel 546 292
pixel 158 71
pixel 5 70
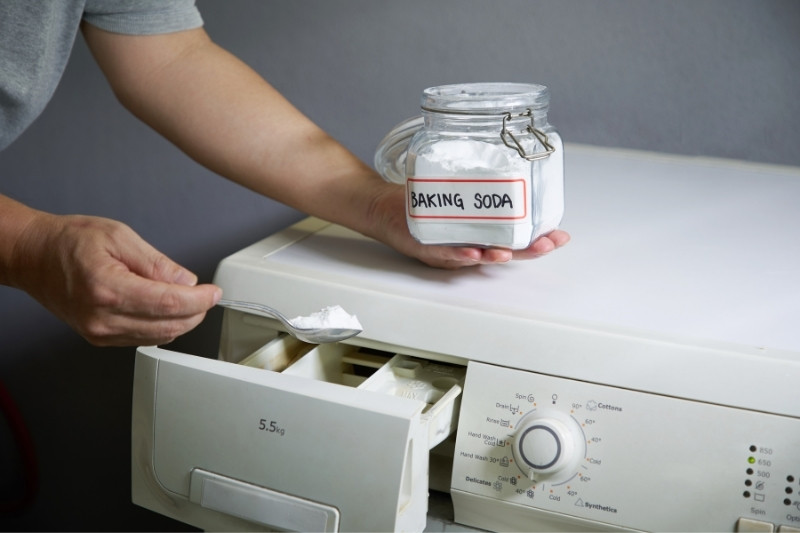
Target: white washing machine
pixel 645 377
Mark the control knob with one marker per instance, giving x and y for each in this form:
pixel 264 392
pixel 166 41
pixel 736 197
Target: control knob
pixel 548 444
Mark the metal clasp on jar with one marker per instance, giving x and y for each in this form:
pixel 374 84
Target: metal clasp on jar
pixel 505 134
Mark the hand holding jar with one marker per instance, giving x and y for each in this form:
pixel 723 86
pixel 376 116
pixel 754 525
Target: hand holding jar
pixel 481 168
pixel 390 227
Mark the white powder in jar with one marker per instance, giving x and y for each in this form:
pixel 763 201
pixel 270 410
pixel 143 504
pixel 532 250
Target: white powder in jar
pixel 465 157
pixel 329 317
pixel 490 169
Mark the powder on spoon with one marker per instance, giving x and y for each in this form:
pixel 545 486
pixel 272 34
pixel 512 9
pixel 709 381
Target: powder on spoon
pixel 329 317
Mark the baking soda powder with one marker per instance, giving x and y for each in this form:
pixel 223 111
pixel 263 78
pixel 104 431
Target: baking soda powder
pixel 329 317
pixel 475 192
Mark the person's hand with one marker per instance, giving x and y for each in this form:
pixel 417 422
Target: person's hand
pixel 389 221
pixel 107 283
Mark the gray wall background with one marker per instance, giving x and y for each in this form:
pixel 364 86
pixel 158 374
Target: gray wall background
pixel 699 77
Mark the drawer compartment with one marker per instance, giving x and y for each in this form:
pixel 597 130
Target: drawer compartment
pixel 337 426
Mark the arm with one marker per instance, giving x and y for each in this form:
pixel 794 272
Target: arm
pixel 226 117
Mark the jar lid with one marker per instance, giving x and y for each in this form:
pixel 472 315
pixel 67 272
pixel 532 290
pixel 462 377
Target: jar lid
pixel 390 156
pixel 485 98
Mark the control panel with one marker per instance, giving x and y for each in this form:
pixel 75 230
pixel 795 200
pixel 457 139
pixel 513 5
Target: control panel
pixel 531 445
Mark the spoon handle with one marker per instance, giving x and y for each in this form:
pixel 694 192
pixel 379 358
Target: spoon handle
pixel 252 306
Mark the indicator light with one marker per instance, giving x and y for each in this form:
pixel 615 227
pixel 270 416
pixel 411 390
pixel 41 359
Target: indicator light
pixel 751 460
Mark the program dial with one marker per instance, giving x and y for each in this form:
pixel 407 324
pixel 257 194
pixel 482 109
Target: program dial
pixel 549 444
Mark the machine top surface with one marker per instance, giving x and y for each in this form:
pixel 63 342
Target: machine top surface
pixel 693 251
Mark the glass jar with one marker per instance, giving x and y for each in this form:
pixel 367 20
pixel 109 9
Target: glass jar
pixel 481 165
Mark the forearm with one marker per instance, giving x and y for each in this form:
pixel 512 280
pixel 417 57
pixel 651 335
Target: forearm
pixel 225 116
pixel 15 219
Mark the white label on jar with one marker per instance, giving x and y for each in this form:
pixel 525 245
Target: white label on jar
pixel 468 199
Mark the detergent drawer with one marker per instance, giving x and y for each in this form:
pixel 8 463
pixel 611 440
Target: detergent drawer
pixel 295 437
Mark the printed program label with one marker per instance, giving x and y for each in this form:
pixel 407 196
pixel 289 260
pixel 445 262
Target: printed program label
pixel 463 199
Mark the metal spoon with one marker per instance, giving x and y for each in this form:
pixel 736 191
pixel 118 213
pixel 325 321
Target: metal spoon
pixel 310 335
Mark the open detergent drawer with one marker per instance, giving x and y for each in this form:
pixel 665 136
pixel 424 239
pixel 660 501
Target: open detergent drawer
pixel 295 437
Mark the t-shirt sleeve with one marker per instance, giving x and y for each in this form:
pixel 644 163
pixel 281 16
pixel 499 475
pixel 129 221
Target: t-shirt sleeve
pixel 142 17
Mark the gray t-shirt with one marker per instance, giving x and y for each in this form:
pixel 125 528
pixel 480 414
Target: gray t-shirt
pixel 36 38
